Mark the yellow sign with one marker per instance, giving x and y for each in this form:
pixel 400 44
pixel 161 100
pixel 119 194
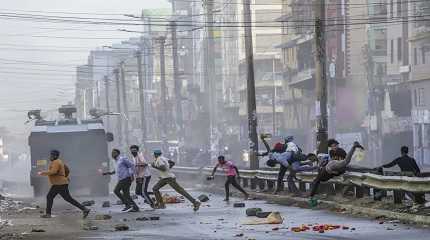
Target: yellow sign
pixel 41 163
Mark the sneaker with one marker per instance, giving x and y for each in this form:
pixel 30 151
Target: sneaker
pixel 196 206
pixel 85 213
pixel 126 209
pixel 135 209
pixel 46 216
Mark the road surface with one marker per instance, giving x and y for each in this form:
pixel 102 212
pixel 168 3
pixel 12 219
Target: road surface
pixel 218 220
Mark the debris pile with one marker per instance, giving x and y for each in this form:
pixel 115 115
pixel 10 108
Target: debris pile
pixel 121 227
pixel 321 228
pixel 172 199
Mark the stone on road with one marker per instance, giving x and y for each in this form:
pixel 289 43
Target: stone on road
pixel 222 221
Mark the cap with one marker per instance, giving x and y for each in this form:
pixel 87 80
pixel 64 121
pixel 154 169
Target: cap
pixel 278 147
pixel 289 138
pixel 157 152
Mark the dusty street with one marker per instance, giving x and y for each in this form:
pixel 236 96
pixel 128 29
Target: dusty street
pixel 215 220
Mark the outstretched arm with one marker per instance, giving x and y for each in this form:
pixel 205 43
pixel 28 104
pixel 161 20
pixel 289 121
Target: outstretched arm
pixel 214 170
pixel 336 165
pixel 266 145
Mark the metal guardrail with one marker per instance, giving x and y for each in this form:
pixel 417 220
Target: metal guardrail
pixel 395 183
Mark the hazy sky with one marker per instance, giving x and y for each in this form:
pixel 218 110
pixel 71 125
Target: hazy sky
pixel 38 59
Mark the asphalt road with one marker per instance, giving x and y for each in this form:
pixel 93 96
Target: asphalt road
pixel 220 220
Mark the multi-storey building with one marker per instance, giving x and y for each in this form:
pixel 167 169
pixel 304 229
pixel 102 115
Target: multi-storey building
pixel 419 39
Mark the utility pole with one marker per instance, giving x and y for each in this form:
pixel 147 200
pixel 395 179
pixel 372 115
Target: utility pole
pixel 177 81
pixel 252 108
pixel 124 100
pixel 162 41
pixel 106 80
pixel 118 105
pixel 141 95
pixel 375 116
pixel 209 70
pixel 321 78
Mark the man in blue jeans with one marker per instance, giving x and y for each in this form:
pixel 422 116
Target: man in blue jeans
pixel 125 172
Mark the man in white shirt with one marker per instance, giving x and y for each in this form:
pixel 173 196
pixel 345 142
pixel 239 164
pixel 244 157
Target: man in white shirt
pixel 163 165
pixel 142 174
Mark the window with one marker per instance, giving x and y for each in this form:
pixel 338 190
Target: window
pixel 399 49
pixel 399 8
pixel 391 8
pixel 415 56
pixel 392 51
pixel 420 97
pixel 423 55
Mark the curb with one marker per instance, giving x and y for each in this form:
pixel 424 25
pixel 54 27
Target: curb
pixel 351 210
pixel 354 210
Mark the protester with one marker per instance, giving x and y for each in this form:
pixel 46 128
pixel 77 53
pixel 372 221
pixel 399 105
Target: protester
pixel 125 170
pixel 142 174
pixel 331 168
pixel 336 153
pixel 288 155
pixel 58 174
pixel 231 172
pixel 407 164
pixel 163 165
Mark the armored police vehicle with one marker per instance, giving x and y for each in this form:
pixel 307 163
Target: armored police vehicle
pixel 84 149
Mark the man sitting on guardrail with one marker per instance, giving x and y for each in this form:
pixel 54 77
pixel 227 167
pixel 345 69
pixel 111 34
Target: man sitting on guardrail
pixel 406 164
pixel 231 171
pixel 331 168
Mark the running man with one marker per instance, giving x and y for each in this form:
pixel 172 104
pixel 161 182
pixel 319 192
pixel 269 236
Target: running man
pixel 58 176
pixel 163 165
pixel 142 174
pixel 231 171
pixel 125 172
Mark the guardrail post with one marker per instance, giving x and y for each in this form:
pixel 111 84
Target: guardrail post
pixel 398 196
pixel 254 183
pixel 366 191
pixel 292 188
pixel 359 192
pixel 245 182
pixel 270 184
pixel 302 186
pixel 338 188
pixel 261 184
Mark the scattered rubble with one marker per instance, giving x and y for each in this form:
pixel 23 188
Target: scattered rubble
pixel 88 203
pixel 103 217
pixel 142 219
pixel 203 198
pixel 88 226
pixel 155 218
pixel 106 204
pixel 251 212
pixel 239 205
pixel 321 228
pixel 239 235
pixel 263 214
pixel 121 227
pixel 273 218
pixel 37 230
pixel 172 199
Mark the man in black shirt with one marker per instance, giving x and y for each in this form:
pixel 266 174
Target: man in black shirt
pixel 336 153
pixel 407 164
